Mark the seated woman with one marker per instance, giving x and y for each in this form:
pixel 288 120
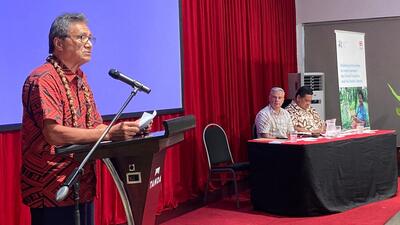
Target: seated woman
pixel 361 115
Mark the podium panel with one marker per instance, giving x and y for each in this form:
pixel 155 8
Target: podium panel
pixel 137 166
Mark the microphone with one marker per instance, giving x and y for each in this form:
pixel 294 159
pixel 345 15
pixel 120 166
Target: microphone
pixel 134 83
pixel 64 189
pixel 62 193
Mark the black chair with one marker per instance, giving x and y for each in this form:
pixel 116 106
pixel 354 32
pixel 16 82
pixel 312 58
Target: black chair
pixel 286 102
pixel 220 158
pixel 254 131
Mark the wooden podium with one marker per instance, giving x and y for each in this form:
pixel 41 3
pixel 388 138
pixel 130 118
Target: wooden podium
pixel 137 166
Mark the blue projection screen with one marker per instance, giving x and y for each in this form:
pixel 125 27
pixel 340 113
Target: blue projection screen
pixel 139 38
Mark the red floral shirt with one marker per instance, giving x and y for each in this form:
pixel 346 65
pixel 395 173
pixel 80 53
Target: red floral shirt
pixel 44 98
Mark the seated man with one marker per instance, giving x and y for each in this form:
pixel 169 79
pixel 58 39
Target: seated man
pixel 304 117
pixel 273 121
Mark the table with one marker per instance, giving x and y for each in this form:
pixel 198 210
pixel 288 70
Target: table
pixel 329 175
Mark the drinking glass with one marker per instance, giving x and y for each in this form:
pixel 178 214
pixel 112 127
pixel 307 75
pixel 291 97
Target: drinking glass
pixel 360 128
pixel 293 136
pixel 338 130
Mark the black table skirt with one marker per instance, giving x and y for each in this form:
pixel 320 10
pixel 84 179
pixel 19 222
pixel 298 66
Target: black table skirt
pixel 315 179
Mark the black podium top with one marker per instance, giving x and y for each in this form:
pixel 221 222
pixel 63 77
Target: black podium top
pixel 173 133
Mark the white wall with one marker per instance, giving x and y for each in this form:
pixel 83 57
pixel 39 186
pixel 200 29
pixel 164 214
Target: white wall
pixel 308 11
pixel 331 10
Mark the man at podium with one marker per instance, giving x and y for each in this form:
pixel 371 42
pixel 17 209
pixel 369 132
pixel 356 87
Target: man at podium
pixel 59 109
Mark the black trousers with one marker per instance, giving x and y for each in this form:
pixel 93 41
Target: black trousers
pixel 63 215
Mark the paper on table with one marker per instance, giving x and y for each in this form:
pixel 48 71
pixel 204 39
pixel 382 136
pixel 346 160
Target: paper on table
pixel 277 142
pixel 369 131
pixel 304 133
pixel 308 139
pixel 146 118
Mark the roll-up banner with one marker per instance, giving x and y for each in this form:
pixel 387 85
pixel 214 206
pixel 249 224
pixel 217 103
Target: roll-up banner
pixel 352 77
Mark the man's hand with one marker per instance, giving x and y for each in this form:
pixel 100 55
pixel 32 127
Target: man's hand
pixel 123 131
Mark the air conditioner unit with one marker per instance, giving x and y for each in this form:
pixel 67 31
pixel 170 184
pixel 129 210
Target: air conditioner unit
pixel 315 81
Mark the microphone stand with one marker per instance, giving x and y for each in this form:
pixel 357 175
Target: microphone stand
pixel 73 178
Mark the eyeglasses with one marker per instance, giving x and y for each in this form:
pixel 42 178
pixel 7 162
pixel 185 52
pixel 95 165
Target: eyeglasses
pixel 84 38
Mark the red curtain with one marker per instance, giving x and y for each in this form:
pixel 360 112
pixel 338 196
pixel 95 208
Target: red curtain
pixel 234 51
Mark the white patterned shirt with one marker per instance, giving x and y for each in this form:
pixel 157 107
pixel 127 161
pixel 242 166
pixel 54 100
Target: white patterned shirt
pixel 304 118
pixel 274 124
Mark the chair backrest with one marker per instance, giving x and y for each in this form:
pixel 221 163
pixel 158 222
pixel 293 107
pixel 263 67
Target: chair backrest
pixel 254 131
pixel 216 145
pixel 286 102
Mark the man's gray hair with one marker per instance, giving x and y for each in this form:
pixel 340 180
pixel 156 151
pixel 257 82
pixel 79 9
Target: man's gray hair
pixel 60 26
pixel 276 89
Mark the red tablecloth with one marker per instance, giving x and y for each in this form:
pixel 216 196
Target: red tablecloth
pixel 322 139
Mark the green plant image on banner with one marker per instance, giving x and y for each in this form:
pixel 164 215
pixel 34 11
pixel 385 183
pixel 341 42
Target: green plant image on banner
pixel 397 97
pixel 354 107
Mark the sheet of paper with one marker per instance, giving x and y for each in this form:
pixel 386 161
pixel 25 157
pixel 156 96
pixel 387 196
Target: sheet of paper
pixel 146 118
pixel 277 142
pixel 308 139
pixel 369 131
pixel 303 133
